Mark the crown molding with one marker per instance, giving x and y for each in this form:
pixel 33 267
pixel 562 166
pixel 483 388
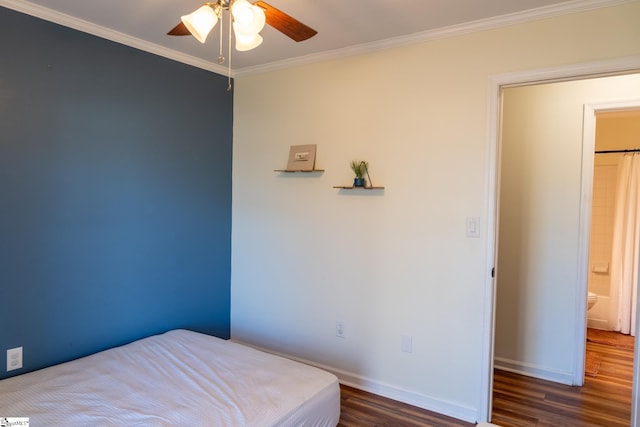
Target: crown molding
pixel 51 15
pixel 569 7
pixel 109 34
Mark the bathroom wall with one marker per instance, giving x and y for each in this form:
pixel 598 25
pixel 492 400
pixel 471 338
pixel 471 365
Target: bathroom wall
pixel 604 190
pixel 614 131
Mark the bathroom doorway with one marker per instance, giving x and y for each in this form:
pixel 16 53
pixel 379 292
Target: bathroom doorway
pixel 614 246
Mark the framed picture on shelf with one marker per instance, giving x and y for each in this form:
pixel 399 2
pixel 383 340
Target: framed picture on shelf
pixel 302 158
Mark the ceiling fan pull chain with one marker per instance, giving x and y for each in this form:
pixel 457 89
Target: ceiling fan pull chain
pixel 229 63
pixel 220 56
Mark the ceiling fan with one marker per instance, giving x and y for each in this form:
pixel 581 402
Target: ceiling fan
pixel 247 20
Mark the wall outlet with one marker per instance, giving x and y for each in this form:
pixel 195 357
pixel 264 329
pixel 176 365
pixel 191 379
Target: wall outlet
pixel 340 332
pixel 14 358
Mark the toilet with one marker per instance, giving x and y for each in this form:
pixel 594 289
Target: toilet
pixel 592 299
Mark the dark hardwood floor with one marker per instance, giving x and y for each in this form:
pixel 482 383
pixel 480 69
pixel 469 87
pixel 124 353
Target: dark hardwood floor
pixel 603 400
pixel 359 409
pixel 520 401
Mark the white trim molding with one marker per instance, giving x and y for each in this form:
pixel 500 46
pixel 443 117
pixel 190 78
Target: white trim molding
pixel 618 66
pixel 535 371
pixel 110 34
pixel 588 143
pixel 386 390
pixel 566 8
pixel 51 15
pixel 406 396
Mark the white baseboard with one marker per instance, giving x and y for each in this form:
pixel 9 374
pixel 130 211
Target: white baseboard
pixel 443 407
pixel 530 370
pixel 598 324
pixel 390 391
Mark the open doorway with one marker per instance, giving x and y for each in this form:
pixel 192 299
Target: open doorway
pixel 613 244
pixel 615 221
pixel 540 310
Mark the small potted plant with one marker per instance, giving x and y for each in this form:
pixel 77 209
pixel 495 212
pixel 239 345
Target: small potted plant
pixel 359 168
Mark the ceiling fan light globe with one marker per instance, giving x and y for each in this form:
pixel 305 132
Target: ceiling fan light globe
pixel 249 18
pixel 200 22
pixel 244 42
pixel 241 11
pixel 259 19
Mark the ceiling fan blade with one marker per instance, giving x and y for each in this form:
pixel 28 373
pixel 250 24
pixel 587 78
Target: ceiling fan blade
pixel 179 30
pixel 284 23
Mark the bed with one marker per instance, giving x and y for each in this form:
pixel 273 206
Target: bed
pixel 179 378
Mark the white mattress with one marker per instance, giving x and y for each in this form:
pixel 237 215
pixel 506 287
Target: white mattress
pixel 179 378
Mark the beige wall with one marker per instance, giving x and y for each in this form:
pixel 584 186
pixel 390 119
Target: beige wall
pixel 394 262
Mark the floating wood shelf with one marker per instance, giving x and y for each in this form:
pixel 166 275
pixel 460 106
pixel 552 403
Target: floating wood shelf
pixel 294 171
pixel 351 187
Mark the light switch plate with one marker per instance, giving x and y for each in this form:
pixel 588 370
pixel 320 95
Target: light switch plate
pixel 473 226
pixel 407 343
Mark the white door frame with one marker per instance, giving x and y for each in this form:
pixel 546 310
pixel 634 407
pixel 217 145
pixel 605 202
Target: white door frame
pixel 496 84
pixel 588 147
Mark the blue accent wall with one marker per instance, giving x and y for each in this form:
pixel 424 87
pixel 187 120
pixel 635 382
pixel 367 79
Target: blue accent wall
pixel 115 194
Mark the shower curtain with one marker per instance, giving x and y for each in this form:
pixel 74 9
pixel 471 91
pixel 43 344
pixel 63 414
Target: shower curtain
pixel 626 243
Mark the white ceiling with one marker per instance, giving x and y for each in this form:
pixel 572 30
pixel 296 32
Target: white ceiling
pixel 344 26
